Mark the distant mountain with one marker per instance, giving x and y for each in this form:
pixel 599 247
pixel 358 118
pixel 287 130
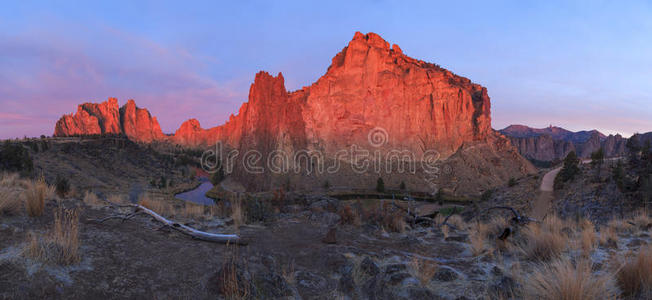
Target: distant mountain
pixel 558 133
pixel 554 143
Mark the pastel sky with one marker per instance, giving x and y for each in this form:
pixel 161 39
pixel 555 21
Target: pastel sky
pixel 579 65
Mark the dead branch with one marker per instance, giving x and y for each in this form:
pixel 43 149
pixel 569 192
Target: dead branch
pixel 446 222
pixel 518 219
pixel 187 230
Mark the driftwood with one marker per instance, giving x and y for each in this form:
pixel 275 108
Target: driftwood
pixel 187 230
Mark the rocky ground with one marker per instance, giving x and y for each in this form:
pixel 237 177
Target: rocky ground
pixel 313 246
pixel 292 255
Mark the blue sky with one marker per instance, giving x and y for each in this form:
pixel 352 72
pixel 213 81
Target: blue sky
pixel 579 65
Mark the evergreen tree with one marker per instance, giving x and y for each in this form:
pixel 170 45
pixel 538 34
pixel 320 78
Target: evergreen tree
pixel 380 185
pixel 569 170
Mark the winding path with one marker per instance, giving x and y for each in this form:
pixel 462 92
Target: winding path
pixel 544 202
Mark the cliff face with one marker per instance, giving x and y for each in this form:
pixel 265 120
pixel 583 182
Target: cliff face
pixel 372 97
pixel 107 118
pixel 554 143
pixel 369 84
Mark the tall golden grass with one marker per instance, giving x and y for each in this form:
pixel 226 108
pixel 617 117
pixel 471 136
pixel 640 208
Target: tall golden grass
pixel 634 274
pixel 61 244
pixel 35 195
pixel 561 279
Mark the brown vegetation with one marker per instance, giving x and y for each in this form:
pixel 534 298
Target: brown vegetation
pixel 561 279
pixel 634 274
pixel 423 269
pixel 91 200
pixel 35 194
pixel 61 244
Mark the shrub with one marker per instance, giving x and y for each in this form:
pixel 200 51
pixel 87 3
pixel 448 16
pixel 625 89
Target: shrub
pixel 35 194
pixel 380 185
pixel 14 157
pixel 218 176
pixel 634 275
pixel 62 186
pixel 561 280
pixel 569 170
pixel 486 196
pixel 512 182
pixel 257 210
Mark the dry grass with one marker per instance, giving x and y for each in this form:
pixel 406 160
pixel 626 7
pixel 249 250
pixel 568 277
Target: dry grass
pixel 634 274
pixel 642 220
pixel 9 180
pixel 588 237
pixel 478 238
pixel 457 221
pixel 445 230
pixel 608 237
pixel 231 280
pixel 287 271
pixel 560 279
pixel 35 194
pixel 394 221
pixel 10 203
pixel 237 212
pixel 61 244
pixel 117 199
pixel 542 242
pixel 158 205
pixel 620 226
pixel 348 215
pixel 91 200
pixel 193 211
pixel 423 269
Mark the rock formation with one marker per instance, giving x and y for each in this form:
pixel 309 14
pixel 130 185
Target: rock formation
pixel 372 97
pixel 554 143
pixel 106 118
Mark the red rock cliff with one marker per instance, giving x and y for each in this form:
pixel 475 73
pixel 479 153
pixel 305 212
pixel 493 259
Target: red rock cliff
pixel 418 106
pixel 107 118
pixel 369 84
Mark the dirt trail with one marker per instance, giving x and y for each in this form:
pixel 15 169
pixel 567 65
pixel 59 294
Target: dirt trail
pixel 544 200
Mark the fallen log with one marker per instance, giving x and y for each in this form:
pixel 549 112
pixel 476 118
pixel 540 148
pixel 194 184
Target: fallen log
pixel 187 230
pixel 194 233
